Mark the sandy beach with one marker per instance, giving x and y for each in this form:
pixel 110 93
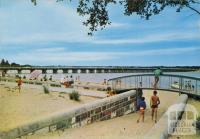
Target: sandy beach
pixel 31 104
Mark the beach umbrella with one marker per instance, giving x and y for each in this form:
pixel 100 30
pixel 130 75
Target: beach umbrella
pixel 35 74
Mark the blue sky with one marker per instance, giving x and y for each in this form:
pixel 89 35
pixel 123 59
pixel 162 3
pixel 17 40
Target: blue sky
pixel 52 33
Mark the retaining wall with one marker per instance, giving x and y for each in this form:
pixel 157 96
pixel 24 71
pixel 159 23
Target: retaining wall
pixel 99 110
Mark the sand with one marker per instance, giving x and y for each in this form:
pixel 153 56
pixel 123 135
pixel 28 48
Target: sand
pixel 124 127
pixel 31 104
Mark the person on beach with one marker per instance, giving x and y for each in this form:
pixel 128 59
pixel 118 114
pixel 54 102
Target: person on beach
pixel 139 95
pixel 110 92
pixel 50 78
pixel 157 73
pixel 19 84
pixel 104 82
pixel 142 107
pixel 45 78
pixel 71 80
pixel 154 102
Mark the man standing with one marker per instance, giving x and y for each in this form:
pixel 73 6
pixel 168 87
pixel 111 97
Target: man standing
pixel 157 73
pixel 154 102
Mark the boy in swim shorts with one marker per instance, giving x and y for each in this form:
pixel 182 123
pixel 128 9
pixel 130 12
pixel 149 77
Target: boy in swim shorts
pixel 154 102
pixel 19 84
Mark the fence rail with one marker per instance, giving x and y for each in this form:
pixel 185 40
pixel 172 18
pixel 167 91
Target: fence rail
pixel 178 83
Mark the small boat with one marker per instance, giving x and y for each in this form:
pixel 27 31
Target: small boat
pixel 175 85
pixel 187 86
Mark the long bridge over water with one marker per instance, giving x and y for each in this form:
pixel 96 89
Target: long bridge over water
pixel 93 69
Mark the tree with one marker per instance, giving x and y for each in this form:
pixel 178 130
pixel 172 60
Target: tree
pixel 14 64
pixel 3 62
pixel 7 63
pixel 97 12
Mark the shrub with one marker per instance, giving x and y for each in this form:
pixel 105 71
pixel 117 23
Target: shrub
pixel 46 89
pixel 74 96
pixel 198 123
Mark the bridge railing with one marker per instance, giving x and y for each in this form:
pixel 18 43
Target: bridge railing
pixel 179 83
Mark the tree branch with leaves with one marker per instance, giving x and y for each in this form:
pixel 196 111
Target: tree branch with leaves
pixel 98 17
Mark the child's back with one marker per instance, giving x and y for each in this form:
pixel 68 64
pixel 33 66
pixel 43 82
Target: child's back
pixel 142 104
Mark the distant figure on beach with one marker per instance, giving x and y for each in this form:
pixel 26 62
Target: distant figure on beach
pixel 66 81
pixel 3 73
pixel 118 82
pixel 51 78
pixel 19 84
pixel 78 79
pixel 24 77
pixel 140 85
pixel 45 77
pixel 142 107
pixel 154 102
pixel 110 92
pixel 157 73
pixel 104 82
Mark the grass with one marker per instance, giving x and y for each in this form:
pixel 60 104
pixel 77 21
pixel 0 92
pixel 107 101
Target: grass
pixel 74 96
pixel 46 89
pixel 198 123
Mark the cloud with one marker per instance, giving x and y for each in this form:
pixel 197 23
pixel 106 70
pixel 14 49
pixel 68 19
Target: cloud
pixel 118 25
pixel 46 22
pixel 149 38
pixel 68 37
pixel 65 57
pixel 61 56
pixel 55 22
pixel 167 51
pixel 46 50
pixel 73 37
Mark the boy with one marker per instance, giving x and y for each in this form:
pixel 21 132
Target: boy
pixel 142 107
pixel 154 102
pixel 19 84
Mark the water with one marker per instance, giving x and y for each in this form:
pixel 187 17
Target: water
pixel 99 77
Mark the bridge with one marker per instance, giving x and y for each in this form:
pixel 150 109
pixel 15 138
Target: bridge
pixel 176 83
pixel 92 69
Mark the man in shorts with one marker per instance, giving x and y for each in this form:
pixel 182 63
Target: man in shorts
pixel 157 73
pixel 154 102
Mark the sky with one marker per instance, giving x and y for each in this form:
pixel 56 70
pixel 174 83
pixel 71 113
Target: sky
pixel 52 33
